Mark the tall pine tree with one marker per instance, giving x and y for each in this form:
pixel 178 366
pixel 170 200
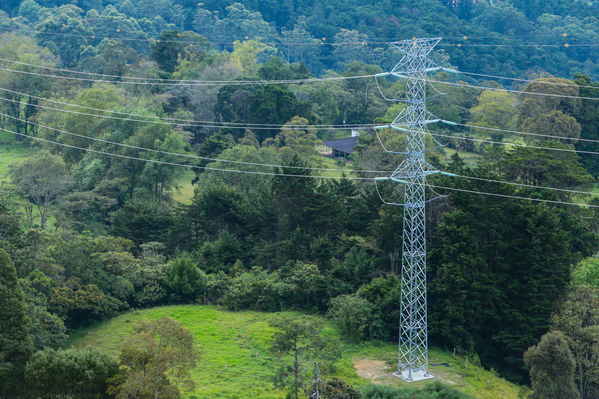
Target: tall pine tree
pixel 15 344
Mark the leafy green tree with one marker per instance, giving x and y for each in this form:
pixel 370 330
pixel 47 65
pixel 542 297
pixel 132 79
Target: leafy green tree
pixel 43 180
pixel 486 243
pixel 15 344
pixel 78 304
pixel 300 45
pixel 354 317
pixel 552 115
pixel 588 117
pixel 255 289
pixel 586 272
pixel 292 197
pixel 156 361
pixel 542 167
pixel 109 57
pixel 166 50
pixel 72 373
pixel 22 85
pixel 298 344
pixel 296 136
pixel 578 320
pixel 184 279
pixel 47 329
pixel 221 254
pixel 10 222
pixel 352 47
pixel 30 10
pixel 384 295
pixel 65 20
pixel 216 207
pixel 275 104
pixel 552 368
pixel 336 388
pixel 495 109
pixel 142 221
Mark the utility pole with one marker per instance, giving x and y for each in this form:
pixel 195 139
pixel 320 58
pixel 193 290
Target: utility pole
pixel 412 173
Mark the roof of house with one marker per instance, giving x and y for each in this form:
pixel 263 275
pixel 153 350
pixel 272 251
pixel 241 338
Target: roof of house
pixel 347 145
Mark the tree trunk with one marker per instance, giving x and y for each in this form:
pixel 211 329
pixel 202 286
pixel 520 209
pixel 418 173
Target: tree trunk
pixel 43 217
pixel 296 368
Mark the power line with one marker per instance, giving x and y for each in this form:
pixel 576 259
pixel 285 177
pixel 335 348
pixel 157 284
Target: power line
pixel 174 163
pixel 197 83
pixel 173 81
pixel 182 154
pixel 528 185
pixel 514 197
pixel 365 179
pixel 245 125
pixel 261 127
pixel 179 81
pixel 198 123
pixel 516 144
pixel 538 81
pixel 281 166
pixel 523 133
pixel 512 90
pixel 206 124
pixel 463 39
pixel 432 134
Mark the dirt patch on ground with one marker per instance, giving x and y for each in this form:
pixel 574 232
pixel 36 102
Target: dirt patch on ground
pixel 372 369
pixel 380 372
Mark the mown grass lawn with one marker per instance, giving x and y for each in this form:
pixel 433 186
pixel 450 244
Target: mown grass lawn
pixel 235 362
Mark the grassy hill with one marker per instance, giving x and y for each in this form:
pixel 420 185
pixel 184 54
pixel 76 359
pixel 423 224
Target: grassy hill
pixel 235 361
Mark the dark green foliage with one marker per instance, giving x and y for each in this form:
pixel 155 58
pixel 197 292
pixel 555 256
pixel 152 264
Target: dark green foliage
pixel 298 343
pixel 142 221
pixel 336 388
pixel 383 293
pixel 577 321
pixel 256 289
pixel 275 104
pixel 9 218
pixel 166 50
pixel 184 280
pixel 15 343
pixel 435 390
pixel 355 318
pixel 218 207
pixel 588 119
pixel 78 304
pixel 496 273
pixel 221 254
pixel 84 374
pixel 552 368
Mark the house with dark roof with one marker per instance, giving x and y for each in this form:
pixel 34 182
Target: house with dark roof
pixel 342 148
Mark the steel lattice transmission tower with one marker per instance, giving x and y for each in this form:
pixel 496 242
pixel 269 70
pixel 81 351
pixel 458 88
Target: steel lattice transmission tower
pixel 412 173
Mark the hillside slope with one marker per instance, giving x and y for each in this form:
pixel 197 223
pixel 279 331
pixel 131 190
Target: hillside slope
pixel 235 361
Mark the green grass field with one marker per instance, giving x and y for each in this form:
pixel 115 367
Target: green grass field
pixel 235 361
pixel 12 154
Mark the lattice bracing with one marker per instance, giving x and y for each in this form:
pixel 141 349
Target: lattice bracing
pixel 412 172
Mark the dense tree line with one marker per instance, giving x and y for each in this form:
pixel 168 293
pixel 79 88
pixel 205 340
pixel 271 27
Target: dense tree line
pixel 305 31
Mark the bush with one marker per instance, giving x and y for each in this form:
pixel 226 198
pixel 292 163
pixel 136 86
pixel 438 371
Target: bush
pixel 434 390
pixel 354 316
pixel 185 280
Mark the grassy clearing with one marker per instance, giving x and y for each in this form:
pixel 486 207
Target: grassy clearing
pixel 184 191
pixel 235 362
pixel 12 154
